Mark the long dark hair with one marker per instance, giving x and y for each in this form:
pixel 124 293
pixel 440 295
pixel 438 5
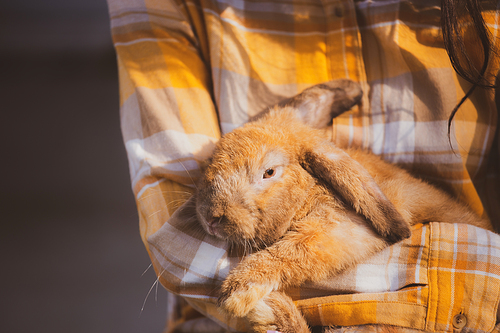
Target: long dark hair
pixel 453 15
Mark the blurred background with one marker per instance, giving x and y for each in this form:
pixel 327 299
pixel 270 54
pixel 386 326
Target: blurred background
pixel 71 255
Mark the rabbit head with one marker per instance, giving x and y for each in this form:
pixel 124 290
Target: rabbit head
pixel 260 175
pixel 253 184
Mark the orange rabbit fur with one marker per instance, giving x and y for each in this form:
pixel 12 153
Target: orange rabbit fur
pixel 307 208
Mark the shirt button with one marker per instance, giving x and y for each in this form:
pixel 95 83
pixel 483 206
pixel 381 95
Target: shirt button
pixel 459 321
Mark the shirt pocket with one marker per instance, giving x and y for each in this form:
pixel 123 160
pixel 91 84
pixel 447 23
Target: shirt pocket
pixel 390 287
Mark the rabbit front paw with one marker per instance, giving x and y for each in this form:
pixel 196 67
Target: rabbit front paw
pixel 240 295
pixel 276 312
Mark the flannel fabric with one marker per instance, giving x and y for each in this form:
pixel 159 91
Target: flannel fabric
pixel 191 70
pixel 442 271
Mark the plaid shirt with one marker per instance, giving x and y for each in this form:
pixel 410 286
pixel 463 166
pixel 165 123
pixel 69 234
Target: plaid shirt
pixel 425 282
pixel 191 70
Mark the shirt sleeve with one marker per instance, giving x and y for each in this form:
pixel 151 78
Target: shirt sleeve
pixel 168 118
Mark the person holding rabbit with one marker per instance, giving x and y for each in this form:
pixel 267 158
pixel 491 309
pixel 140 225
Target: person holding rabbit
pixel 191 71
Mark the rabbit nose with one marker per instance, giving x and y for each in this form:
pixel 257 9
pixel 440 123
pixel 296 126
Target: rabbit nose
pixel 212 224
pixel 213 221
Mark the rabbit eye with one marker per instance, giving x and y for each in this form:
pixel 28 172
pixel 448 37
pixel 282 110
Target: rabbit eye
pixel 269 173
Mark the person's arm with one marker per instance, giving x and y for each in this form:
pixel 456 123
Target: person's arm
pixel 168 118
pixel 169 124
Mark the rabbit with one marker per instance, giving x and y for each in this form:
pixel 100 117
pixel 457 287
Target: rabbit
pixel 307 208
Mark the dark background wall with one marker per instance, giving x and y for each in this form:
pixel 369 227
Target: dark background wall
pixel 70 252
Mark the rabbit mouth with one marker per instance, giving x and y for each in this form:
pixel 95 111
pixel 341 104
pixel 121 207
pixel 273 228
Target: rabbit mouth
pixel 215 226
pixel 212 226
pixel 214 231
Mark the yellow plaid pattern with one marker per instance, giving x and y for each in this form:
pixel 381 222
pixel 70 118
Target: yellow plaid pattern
pixel 453 269
pixel 442 271
pixel 191 70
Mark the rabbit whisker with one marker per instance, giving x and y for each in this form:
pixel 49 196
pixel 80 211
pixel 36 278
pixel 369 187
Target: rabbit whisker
pixel 154 213
pixel 147 269
pixel 157 281
pixel 245 249
pixel 189 174
pixel 177 203
pixel 186 193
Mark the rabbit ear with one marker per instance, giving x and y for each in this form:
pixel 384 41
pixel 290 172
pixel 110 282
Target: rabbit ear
pixel 319 104
pixel 336 169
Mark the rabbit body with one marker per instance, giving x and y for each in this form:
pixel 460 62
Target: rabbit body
pixel 307 209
